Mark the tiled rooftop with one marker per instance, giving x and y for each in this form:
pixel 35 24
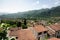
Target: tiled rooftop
pixel 53 39
pixel 39 28
pixel 13 31
pixel 22 34
pixel 25 35
pixel 55 27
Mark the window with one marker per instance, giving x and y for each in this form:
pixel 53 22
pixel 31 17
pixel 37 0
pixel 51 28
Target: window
pixel 45 31
pixel 16 37
pixel 40 33
pixel 12 30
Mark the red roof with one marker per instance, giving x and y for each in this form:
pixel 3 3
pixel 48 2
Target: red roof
pixel 25 35
pixel 53 39
pixel 50 32
pixel 39 28
pixel 14 31
pixel 55 27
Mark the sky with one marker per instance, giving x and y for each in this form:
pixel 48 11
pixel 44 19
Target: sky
pixel 13 6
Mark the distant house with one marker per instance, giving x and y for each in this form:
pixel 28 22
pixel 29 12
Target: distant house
pixel 53 39
pixel 39 31
pixel 54 30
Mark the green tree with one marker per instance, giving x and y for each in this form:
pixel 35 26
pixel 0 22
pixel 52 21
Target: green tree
pixel 18 24
pixel 24 26
pixel 3 35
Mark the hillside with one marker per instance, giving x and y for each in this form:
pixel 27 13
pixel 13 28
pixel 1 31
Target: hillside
pixel 42 13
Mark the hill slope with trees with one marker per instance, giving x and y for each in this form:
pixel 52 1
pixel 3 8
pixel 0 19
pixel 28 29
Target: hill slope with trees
pixel 42 13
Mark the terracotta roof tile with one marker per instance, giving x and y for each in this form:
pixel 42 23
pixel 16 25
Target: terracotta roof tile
pixel 39 28
pixel 50 32
pixel 13 31
pixel 25 35
pixel 55 27
pixel 15 28
pixel 53 39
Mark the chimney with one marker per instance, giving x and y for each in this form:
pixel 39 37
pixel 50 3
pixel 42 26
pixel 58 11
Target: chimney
pixel 33 24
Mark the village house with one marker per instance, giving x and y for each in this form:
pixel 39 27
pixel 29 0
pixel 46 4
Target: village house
pixel 54 30
pixel 39 31
pixel 21 34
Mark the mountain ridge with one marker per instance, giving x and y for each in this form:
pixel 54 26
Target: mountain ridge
pixel 42 13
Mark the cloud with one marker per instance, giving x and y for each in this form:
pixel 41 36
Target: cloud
pixel 57 2
pixel 35 3
pixel 45 6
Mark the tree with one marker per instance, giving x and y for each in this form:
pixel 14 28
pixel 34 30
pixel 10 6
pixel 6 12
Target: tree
pixel 18 24
pixel 24 26
pixel 3 35
pixel 25 23
pixel 5 26
pixel 3 32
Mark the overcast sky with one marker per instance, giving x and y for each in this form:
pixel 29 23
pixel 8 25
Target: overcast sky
pixel 12 6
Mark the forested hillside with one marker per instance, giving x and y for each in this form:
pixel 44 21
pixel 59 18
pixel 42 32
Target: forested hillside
pixel 42 13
